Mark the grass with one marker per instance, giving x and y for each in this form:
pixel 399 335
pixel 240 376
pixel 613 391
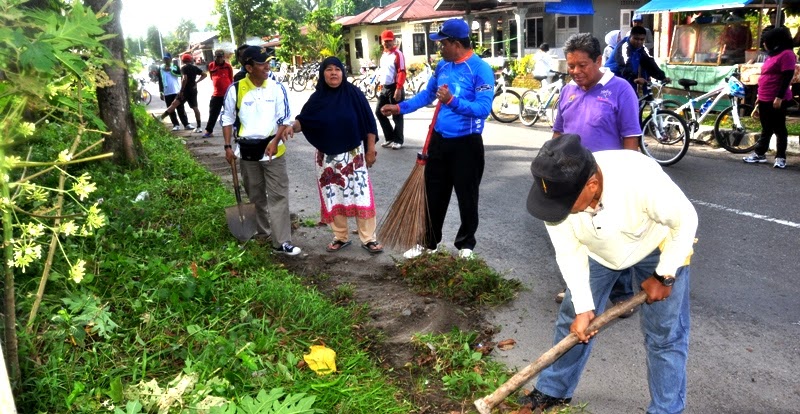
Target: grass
pixel 171 303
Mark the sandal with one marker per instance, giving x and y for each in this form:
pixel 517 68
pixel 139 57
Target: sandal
pixel 337 245
pixel 372 247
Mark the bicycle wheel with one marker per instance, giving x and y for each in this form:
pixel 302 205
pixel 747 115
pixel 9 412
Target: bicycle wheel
pixel 530 108
pixel 146 97
pixel 298 83
pixel 737 138
pixel 552 110
pixel 645 111
pixel 665 137
pixel 505 106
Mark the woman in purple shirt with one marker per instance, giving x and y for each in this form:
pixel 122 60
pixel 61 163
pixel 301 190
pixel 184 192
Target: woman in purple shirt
pixel 774 95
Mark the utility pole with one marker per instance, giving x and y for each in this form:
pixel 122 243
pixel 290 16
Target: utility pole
pixel 160 43
pixel 230 25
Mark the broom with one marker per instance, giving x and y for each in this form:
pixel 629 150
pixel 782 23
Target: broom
pixel 405 225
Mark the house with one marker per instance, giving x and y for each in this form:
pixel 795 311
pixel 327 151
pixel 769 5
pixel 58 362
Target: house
pixel 410 20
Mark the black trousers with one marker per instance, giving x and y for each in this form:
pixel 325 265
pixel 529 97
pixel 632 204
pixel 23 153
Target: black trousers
pixel 179 109
pixel 773 121
pixel 391 134
pixel 214 108
pixel 454 164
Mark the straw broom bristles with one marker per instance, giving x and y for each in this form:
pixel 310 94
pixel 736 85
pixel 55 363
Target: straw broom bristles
pixel 406 223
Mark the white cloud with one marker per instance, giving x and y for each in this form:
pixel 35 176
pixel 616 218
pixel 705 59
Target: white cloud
pixel 138 15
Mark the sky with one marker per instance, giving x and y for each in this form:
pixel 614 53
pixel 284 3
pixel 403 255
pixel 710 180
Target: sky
pixel 138 15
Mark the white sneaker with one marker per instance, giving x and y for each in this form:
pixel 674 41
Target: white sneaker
pixel 176 128
pixel 466 254
pixel 780 163
pixel 386 144
pixel 417 251
pixel 198 130
pixel 396 145
pixel 188 127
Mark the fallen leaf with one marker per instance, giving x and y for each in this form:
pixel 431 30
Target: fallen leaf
pixel 506 344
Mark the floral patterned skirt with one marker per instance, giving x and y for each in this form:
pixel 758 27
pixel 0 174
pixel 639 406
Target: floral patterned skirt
pixel 344 185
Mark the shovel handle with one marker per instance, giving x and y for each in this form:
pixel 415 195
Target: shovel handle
pixel 236 189
pixel 485 404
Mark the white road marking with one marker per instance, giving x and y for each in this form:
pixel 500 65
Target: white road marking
pixel 747 213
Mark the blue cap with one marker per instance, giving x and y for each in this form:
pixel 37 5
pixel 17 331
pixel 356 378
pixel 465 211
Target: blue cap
pixel 167 56
pixel 452 29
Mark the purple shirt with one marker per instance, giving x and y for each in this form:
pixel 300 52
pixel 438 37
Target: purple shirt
pixel 772 70
pixel 602 116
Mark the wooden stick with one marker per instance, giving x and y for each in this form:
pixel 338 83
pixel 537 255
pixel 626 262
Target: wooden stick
pixel 485 404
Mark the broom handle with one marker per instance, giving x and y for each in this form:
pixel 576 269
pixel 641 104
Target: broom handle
pixel 485 404
pixel 430 130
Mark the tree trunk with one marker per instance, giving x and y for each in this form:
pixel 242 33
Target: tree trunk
pixel 114 101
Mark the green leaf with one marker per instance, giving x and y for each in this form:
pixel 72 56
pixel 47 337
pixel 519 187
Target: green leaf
pixel 115 390
pixel 77 389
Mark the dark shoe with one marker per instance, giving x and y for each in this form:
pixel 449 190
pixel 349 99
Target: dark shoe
pixel 288 249
pixel 537 399
pixel 630 311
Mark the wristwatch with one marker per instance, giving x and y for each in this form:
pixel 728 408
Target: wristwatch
pixel 667 281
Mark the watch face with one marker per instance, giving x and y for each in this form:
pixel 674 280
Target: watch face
pixel 668 281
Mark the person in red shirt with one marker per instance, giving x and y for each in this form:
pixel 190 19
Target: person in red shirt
pixel 221 73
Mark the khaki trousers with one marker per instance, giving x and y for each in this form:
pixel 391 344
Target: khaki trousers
pixel 366 228
pixel 267 186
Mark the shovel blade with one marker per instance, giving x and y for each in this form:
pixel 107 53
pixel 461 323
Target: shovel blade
pixel 242 221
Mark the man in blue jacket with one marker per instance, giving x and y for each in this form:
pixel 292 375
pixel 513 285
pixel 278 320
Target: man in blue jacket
pixel 632 61
pixel 464 85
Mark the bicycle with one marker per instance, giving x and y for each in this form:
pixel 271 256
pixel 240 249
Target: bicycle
pixel 734 129
pixel 532 107
pixel 506 103
pixel 142 95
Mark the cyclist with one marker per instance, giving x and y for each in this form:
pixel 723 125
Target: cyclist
pixel 632 61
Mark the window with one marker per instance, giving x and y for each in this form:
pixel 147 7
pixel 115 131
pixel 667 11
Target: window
pixel 359 49
pixel 419 44
pixel 535 33
pixel 566 26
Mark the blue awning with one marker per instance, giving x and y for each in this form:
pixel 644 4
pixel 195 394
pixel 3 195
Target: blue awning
pixel 658 6
pixel 569 7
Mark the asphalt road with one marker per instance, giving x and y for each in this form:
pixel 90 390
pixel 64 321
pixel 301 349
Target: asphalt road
pixel 744 349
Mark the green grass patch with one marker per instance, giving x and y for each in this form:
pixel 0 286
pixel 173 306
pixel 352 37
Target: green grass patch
pixel 459 280
pixel 174 313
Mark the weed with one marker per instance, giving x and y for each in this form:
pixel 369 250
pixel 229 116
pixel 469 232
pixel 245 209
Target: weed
pixel 343 293
pixel 459 280
pixel 463 371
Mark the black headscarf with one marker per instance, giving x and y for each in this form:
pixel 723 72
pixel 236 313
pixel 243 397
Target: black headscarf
pixel 336 120
pixel 777 40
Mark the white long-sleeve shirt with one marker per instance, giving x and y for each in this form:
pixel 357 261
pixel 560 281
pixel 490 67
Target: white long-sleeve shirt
pixel 640 209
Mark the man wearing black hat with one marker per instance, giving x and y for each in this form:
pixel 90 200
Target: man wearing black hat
pixel 464 85
pixel 258 110
pixel 609 213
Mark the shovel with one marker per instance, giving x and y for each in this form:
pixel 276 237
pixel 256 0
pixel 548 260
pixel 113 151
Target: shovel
pixel 241 217
pixel 485 404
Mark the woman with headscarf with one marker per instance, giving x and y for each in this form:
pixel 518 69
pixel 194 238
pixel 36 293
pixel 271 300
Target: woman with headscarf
pixel 774 95
pixel 337 120
pixel 612 39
